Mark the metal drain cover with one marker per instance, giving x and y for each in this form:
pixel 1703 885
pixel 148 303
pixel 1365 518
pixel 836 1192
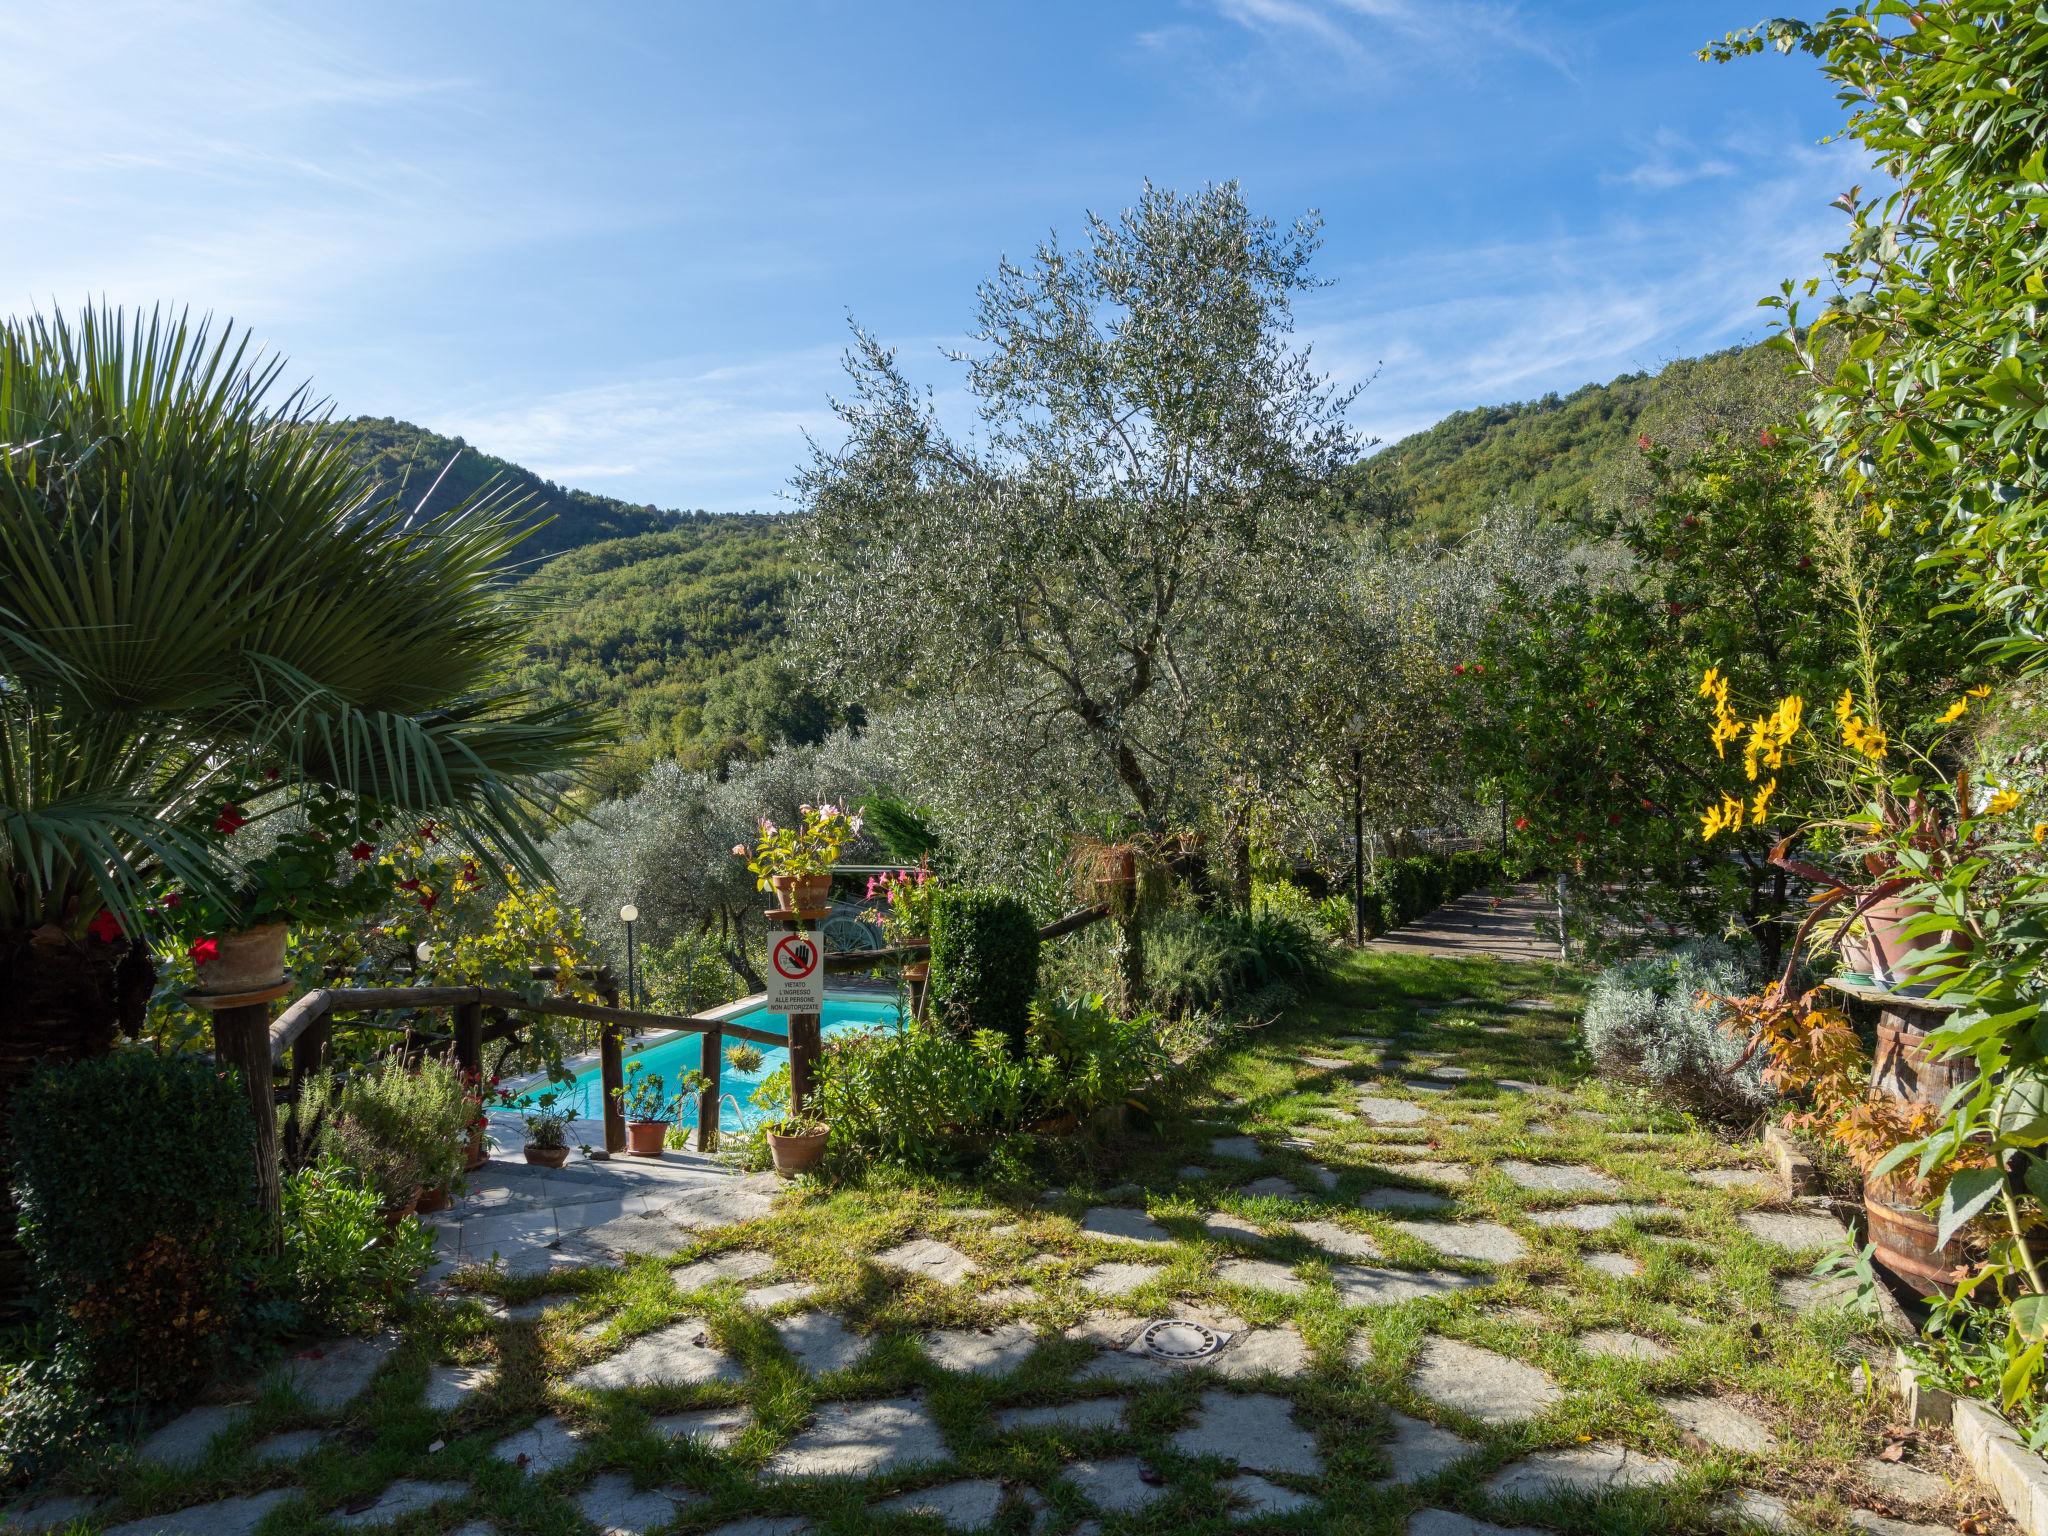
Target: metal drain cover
pixel 1177 1339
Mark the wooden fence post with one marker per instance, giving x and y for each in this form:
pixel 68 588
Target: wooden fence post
pixel 709 1095
pixel 309 1055
pixel 241 1039
pixel 469 1037
pixel 611 1071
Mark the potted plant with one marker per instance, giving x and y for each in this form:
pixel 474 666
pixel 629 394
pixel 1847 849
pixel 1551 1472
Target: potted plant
pixel 796 1142
pixel 796 862
pixel 906 910
pixel 320 873
pixel 547 1129
pixel 744 1058
pixel 648 1107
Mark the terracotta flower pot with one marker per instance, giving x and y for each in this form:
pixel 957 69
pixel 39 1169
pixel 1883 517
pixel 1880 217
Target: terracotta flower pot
pixel 395 1211
pixel 1894 957
pixel 917 970
pixel 247 961
pixel 478 1150
pixel 796 1154
pixel 646 1138
pixel 547 1157
pixel 801 893
pixel 432 1200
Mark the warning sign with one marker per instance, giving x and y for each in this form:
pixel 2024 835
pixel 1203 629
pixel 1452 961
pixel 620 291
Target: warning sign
pixel 796 972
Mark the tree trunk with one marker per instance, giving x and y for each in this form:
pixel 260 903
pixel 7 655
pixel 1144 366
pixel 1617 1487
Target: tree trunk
pixel 61 999
pixel 1240 861
pixel 1130 960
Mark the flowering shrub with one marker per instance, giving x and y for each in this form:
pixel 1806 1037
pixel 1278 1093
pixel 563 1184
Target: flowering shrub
pixel 906 898
pixel 811 847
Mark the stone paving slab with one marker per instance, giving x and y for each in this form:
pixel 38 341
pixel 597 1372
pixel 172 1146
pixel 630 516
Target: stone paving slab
pixel 1752 1180
pixel 1270 1187
pixel 1250 1494
pixel 291 1445
pixel 1884 1525
pixel 1257 1352
pixel 647 1233
pixel 724 1203
pixel 1331 1238
pixel 539 1307
pixel 1903 1484
pixel 1384 1111
pixel 1481 1384
pixel 716 1427
pixel 1088 1413
pixel 184 1440
pixel 51 1512
pixel 860 1439
pixel 1326 1063
pixel 1588 1469
pixel 769 1297
pixel 1559 1178
pixel 820 1342
pixel 1420 1450
pixel 1798 1231
pixel 1240 1149
pixel 1749 1509
pixel 1118 1279
pixel 1616 1266
pixel 1229 1228
pixel 1721 1424
pixel 964 1506
pixel 224 1517
pixel 1485 1241
pixel 738 1266
pixel 407 1496
pixel 679 1355
pixel 1117 1487
pixel 542 1446
pixel 1598 1218
pixel 994 1351
pixel 1391 1198
pixel 1362 1285
pixel 1445 1522
pixel 329 1377
pixel 1620 1344
pixel 1260 1275
pixel 1122 1223
pixel 450 1386
pixel 1257 1431
pixel 929 1258
pixel 617 1508
pixel 765 1525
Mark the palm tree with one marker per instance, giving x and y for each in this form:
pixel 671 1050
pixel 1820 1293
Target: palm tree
pixel 197 586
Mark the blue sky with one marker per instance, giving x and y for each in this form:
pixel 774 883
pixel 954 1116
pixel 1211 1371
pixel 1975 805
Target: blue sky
pixel 619 243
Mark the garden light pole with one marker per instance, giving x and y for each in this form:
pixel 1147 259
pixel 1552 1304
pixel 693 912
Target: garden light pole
pixel 1357 724
pixel 629 915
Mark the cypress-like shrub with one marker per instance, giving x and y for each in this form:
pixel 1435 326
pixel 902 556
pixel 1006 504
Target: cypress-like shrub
pixel 134 1174
pixel 984 963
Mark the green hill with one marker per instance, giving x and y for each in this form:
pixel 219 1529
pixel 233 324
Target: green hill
pixel 1563 453
pixel 405 458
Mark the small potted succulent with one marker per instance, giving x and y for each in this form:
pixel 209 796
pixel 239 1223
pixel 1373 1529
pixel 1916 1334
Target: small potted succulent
pixel 547 1129
pixel 796 862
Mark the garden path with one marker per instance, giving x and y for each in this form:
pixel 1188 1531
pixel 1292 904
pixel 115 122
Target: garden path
pixel 1508 925
pixel 1404 1270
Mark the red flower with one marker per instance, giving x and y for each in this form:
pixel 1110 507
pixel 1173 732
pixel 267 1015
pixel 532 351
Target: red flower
pixel 1691 521
pixel 173 901
pixel 1643 441
pixel 426 831
pixel 428 900
pixel 105 926
pixel 410 885
pixel 1675 609
pixel 203 950
pixel 1459 669
pixel 1479 667
pixel 230 820
pixel 1521 823
pixel 1614 818
pixel 361 851
pixel 1767 438
pixel 1647 806
pixel 271 774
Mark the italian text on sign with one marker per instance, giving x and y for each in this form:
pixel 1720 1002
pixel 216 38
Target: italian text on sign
pixel 796 972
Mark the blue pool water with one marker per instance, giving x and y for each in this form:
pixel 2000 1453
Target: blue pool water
pixel 675 1057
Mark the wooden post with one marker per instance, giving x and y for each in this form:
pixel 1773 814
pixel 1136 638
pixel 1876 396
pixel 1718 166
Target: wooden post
pixel 309 1055
pixel 469 1037
pixel 806 1044
pixel 241 1039
pixel 709 1095
pixel 612 1078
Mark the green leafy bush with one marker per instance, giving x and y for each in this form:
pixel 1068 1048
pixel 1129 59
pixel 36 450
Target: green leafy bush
pixel 1651 1019
pixel 134 1175
pixel 402 1128
pixel 343 1263
pixel 1399 890
pixel 984 963
pixel 1195 961
pixel 688 975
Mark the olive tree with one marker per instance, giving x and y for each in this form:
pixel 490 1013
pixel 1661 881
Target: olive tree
pixel 1145 474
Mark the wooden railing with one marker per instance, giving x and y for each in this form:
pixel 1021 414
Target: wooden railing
pixel 248 1038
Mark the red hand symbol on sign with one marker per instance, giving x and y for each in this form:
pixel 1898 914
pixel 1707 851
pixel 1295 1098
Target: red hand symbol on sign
pixel 795 956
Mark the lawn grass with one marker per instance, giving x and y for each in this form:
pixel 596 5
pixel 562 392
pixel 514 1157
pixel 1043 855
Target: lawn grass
pixel 1706 1295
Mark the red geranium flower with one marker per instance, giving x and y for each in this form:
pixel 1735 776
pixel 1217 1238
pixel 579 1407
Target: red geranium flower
pixel 1521 823
pixel 361 851
pixel 203 950
pixel 105 926
pixel 172 901
pixel 1643 441
pixel 1767 438
pixel 1479 667
pixel 230 820
pixel 1459 669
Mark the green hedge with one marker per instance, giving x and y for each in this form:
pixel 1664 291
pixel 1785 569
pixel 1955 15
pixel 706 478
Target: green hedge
pixel 1401 890
pixel 984 963
pixel 134 1174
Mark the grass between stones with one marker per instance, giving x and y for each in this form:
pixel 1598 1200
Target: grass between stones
pixel 1704 1299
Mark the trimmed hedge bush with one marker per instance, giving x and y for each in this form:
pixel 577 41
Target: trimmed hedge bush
pixel 984 963
pixel 135 1178
pixel 1401 890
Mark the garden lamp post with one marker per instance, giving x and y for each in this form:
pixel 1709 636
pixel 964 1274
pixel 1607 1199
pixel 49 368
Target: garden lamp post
pixel 629 915
pixel 1357 724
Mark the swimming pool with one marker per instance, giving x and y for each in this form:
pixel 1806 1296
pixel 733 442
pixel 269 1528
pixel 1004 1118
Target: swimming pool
pixel 672 1058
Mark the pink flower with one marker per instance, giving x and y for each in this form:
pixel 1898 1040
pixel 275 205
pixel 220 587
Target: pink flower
pixel 739 850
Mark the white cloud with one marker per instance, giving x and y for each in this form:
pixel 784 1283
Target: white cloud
pixel 1365 38
pixel 1671 160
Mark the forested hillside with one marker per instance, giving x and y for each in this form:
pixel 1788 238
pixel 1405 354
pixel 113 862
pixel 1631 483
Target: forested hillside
pixel 403 456
pixel 1562 453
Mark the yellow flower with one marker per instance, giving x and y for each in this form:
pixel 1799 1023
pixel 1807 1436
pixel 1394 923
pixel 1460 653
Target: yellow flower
pixel 2040 833
pixel 1710 682
pixel 1954 712
pixel 2002 802
pixel 1845 706
pixel 1725 817
pixel 1760 807
pixel 1981 691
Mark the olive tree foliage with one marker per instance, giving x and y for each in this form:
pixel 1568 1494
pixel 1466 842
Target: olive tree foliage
pixel 667 847
pixel 1145 473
